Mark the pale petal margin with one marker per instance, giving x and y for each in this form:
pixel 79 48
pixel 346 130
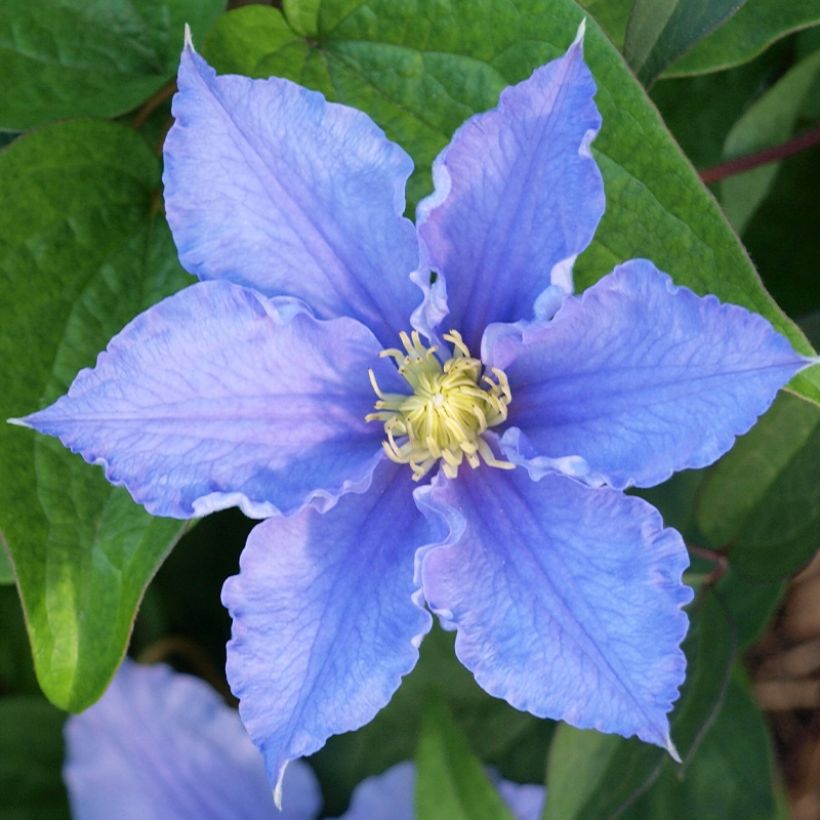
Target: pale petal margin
pixel 270 186
pixel 638 377
pixel 327 617
pixel 566 599
pixel 517 197
pixel 160 744
pixel 219 396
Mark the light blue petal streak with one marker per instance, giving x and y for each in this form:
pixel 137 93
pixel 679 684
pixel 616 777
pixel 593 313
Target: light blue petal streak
pixel 566 599
pixel 517 197
pixel 327 617
pixel 270 186
pixel 218 396
pixel 638 378
pixel 164 745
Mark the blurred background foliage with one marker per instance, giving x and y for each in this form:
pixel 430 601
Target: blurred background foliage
pixel 84 247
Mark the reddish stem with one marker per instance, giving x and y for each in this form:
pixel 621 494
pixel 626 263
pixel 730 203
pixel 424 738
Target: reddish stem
pixel 748 161
pixel 152 103
pixel 720 561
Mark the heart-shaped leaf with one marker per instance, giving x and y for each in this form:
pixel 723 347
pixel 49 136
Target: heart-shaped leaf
pixel 82 251
pixel 72 58
pixel 659 32
pixel 762 500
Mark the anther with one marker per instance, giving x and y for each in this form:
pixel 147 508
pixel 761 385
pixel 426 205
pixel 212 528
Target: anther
pixel 443 419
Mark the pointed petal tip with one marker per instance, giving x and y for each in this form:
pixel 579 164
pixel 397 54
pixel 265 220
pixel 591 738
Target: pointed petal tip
pixel 277 789
pixel 191 62
pixel 673 751
pixel 38 420
pixel 580 34
pixel 22 422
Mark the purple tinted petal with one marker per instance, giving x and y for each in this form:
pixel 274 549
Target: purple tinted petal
pixel 639 378
pixel 386 796
pixel 270 186
pixel 164 745
pixel 218 396
pixel 325 617
pixel 390 796
pixel 518 196
pixel 525 800
pixel 566 599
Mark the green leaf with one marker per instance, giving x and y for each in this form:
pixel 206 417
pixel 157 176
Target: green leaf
pixel 234 42
pixel 810 324
pixel 805 44
pixel 755 27
pixel 763 498
pixel 450 781
pixel 782 236
pixel 420 79
pixel 16 667
pixel 751 602
pixel 737 751
pixel 660 31
pixel 675 499
pixel 514 742
pixel 81 252
pixel 594 775
pixel 75 58
pixel 303 16
pixel 700 111
pixel 579 763
pixel 31 756
pixel 6 568
pixel 612 16
pixel 769 121
pixel 749 32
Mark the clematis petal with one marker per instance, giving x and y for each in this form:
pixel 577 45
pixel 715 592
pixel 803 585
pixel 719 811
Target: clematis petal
pixel 638 377
pixel 386 796
pixel 566 599
pixel 219 396
pixel 326 617
pixel 162 744
pixel 517 197
pixel 525 800
pixel 390 796
pixel 270 186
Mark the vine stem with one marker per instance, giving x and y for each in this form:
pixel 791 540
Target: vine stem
pixel 152 103
pixel 757 158
pixel 719 559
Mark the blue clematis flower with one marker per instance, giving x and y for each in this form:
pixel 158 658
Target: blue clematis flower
pixel 161 745
pixel 456 444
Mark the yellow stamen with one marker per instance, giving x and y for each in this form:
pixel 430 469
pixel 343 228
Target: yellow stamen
pixel 447 413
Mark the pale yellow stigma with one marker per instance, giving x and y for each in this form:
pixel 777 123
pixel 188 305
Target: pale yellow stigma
pixel 450 408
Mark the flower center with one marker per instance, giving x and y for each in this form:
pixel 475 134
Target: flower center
pixel 451 406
